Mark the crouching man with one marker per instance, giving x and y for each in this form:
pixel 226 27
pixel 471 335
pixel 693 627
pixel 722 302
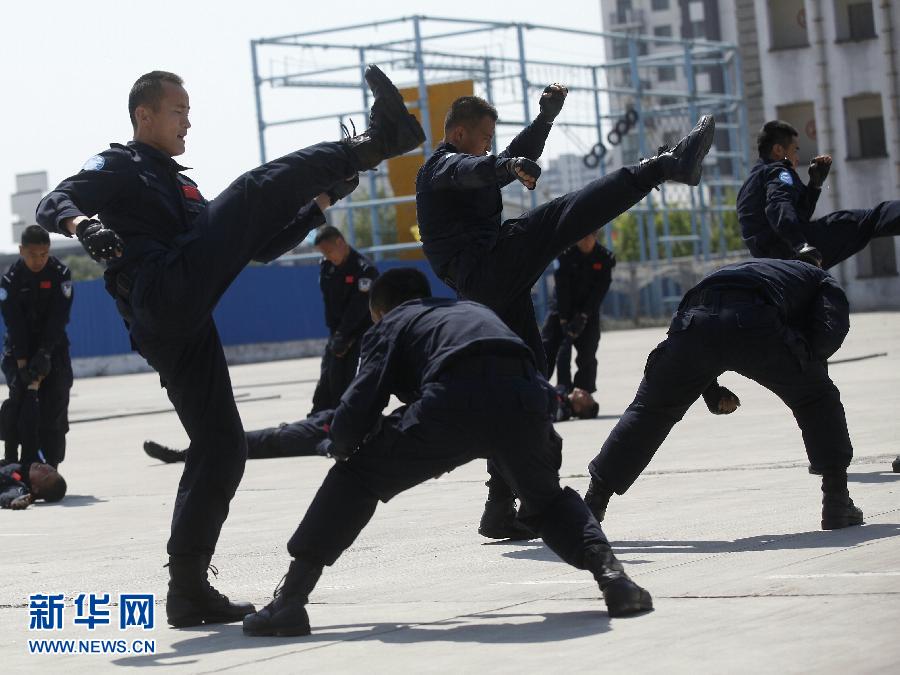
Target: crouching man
pixel 473 391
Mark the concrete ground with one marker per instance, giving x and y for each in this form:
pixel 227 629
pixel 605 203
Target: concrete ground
pixel 723 529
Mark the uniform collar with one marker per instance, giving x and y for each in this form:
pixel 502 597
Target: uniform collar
pixel 156 154
pixel 447 146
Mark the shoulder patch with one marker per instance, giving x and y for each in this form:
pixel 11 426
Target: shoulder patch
pixel 66 287
pixel 3 294
pixel 785 177
pixel 95 163
pixel 364 284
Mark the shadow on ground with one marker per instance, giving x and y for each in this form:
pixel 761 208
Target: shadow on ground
pixel 546 627
pixel 850 536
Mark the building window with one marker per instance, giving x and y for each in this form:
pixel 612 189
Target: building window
pixel 659 5
pixel 662 31
pixel 666 73
pixel 787 24
pixel 620 49
pixel 854 20
pixel 865 127
pixel 878 259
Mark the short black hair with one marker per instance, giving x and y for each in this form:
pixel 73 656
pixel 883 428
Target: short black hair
pixel 327 233
pixel 35 235
pixel 468 111
pixel 396 286
pixel 592 411
pixel 148 90
pixel 776 132
pixel 54 488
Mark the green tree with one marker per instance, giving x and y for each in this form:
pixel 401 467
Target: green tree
pixel 82 267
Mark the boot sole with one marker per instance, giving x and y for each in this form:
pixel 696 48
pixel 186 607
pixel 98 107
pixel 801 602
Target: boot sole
pixel 200 619
pixel 842 523
pixel 708 135
pixel 396 108
pixel 629 607
pixel 283 632
pixel 161 454
pixel 494 534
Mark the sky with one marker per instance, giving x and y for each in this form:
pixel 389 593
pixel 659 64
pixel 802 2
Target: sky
pixel 66 69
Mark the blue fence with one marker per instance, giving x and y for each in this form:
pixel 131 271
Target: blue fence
pixel 264 304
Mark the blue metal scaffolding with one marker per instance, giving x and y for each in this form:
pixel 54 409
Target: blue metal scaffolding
pixel 613 74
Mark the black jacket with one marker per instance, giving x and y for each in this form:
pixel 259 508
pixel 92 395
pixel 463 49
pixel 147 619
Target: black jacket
pixel 808 299
pixel 14 483
pixel 137 191
pixel 35 307
pixel 458 199
pixel 773 204
pixel 408 349
pixel 345 292
pixel 582 281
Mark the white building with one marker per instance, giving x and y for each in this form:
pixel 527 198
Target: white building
pixel 829 67
pixel 29 189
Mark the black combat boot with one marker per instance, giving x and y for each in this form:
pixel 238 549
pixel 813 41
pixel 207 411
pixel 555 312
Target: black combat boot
pixel 597 498
pixel 499 521
pixel 286 615
pixel 622 595
pixel 192 600
pixel 838 509
pixel 814 471
pixel 682 164
pixel 163 453
pixel 896 465
pixel 392 130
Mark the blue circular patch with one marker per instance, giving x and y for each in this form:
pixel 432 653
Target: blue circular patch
pixel 785 177
pixel 95 163
pixel 3 294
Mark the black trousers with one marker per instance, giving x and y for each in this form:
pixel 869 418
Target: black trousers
pixel 558 348
pixel 450 425
pixel 841 234
pixel 169 311
pixel 704 342
pixel 336 374
pixel 297 439
pixel 502 278
pixel 52 416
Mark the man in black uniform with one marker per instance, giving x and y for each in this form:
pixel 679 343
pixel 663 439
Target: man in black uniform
pixel 775 208
pixel 172 255
pixel 459 207
pixel 35 300
pixel 345 277
pixel 472 390
pixel 294 439
pixel 23 484
pixel 773 321
pixel 582 278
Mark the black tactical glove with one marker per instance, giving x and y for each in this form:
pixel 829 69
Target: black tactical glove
pixel 100 243
pixel 576 325
pixel 339 345
pixel 818 171
pixel 328 448
pixel 24 375
pixel 809 254
pixel 39 365
pixel 530 169
pixel 720 400
pixel 340 190
pixel 551 102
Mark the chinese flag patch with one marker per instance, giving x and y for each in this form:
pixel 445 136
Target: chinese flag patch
pixel 46 284
pixel 191 193
pixel 348 279
pixel 597 266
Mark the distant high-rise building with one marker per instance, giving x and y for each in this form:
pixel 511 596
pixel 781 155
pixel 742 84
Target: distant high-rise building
pixel 29 189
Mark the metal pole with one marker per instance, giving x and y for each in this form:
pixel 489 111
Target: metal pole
pixel 692 108
pixel 489 95
pixel 260 125
pixel 375 222
pixel 351 229
pixel 424 111
pixel 598 117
